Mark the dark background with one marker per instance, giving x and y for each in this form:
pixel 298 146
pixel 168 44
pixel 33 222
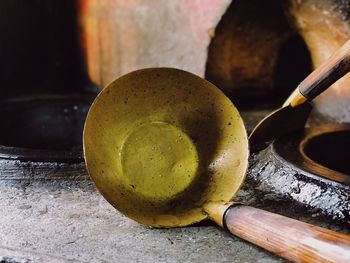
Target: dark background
pixel 40 48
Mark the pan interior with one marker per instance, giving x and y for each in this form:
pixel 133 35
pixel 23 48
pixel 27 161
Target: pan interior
pixel 160 143
pixel 163 151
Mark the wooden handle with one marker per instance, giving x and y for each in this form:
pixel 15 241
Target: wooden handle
pixel 286 237
pixel 324 76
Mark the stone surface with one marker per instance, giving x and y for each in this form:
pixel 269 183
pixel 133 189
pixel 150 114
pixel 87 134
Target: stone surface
pixel 63 220
pixel 50 214
pixel 74 223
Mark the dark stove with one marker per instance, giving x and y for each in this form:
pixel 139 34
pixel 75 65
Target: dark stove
pixel 310 167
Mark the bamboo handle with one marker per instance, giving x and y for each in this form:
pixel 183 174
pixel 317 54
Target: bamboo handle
pixel 324 76
pixel 286 237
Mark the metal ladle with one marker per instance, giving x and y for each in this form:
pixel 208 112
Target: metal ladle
pixel 168 149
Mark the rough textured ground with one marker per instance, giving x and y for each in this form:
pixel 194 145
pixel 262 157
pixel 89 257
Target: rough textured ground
pixel 68 220
pixel 71 221
pixel 58 216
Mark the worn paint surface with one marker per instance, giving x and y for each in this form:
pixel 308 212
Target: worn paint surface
pixel 122 36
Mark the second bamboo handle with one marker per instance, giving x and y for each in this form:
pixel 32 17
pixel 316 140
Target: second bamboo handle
pixel 334 68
